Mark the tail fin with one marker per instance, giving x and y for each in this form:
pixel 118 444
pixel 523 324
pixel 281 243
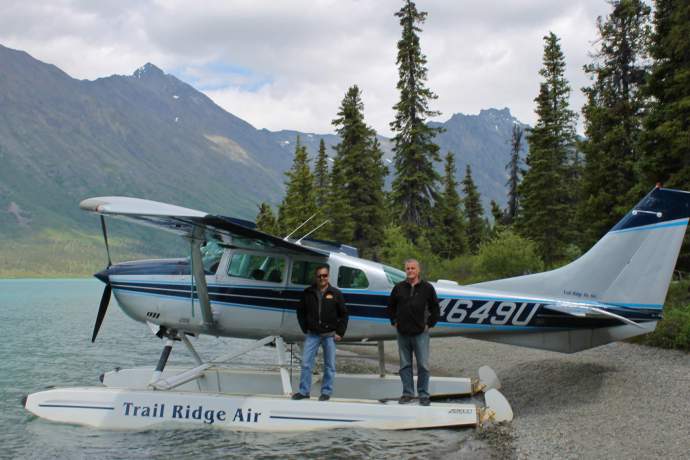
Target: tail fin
pixel 630 266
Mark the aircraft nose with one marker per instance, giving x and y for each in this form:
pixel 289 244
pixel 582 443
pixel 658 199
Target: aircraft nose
pixel 103 275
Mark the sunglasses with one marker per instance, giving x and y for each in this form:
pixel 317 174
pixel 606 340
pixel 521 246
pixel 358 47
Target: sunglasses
pixel 322 276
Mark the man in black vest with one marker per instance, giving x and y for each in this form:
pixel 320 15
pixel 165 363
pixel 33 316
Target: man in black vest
pixel 323 318
pixel 413 309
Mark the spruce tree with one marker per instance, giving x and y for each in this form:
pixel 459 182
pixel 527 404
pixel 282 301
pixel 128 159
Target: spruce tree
pixel 340 226
pixel 514 168
pixel 322 190
pixel 265 221
pixel 299 203
pixel 497 213
pixel 474 214
pixel 548 188
pixel 613 115
pixel 360 159
pixel 666 136
pixel 375 227
pixel 414 188
pixel 321 176
pixel 665 140
pixel 447 235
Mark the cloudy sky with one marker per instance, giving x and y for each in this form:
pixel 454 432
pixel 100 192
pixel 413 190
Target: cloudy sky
pixel 286 64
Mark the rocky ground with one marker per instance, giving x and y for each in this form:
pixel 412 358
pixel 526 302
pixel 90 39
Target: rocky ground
pixel 616 401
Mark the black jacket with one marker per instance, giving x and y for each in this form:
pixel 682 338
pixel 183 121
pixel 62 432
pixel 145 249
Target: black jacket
pixel 413 309
pixel 331 317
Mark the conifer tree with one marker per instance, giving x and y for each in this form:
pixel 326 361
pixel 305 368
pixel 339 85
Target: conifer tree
pixel 322 190
pixel 447 236
pixel 666 136
pixel 665 140
pixel 299 203
pixel 497 213
pixel 374 231
pixel 474 214
pixel 340 226
pixel 514 174
pixel 613 115
pixel 414 187
pixel 321 176
pixel 360 160
pixel 548 188
pixel 265 221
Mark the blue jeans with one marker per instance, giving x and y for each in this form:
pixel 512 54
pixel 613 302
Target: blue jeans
pixel 419 344
pixel 311 347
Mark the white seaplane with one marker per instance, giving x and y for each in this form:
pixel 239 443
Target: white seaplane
pixel 241 282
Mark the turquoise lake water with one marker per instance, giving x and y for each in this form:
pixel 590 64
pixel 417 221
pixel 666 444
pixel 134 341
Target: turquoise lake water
pixel 47 342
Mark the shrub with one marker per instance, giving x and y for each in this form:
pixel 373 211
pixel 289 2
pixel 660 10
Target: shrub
pixel 506 255
pixel 674 330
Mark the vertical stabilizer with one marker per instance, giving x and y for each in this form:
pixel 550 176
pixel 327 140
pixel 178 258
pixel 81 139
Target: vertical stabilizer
pixel 630 266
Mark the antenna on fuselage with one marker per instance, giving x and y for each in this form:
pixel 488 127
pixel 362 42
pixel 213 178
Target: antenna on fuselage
pixel 300 226
pixel 321 225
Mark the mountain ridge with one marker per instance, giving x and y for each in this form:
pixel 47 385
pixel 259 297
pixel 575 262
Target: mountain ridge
pixel 154 136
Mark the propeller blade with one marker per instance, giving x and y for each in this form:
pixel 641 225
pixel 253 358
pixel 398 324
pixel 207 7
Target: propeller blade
pixel 105 300
pixel 105 237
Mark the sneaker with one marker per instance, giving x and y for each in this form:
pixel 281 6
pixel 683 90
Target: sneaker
pixel 424 401
pixel 404 399
pixel 324 397
pixel 298 396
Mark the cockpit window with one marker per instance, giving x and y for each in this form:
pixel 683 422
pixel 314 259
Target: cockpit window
pixel 303 271
pixel 257 267
pixel 352 278
pixel 211 253
pixel 394 275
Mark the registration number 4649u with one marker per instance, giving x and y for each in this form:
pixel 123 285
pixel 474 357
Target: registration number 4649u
pixel 487 312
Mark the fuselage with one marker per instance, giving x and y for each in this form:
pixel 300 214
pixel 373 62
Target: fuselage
pixel 254 294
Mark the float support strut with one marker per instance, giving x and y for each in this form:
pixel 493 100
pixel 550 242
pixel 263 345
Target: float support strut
pixel 382 360
pixel 162 361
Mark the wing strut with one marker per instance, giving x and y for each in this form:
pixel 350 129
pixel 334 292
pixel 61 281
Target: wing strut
pixel 196 241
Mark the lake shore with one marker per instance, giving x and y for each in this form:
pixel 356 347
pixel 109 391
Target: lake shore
pixel 620 400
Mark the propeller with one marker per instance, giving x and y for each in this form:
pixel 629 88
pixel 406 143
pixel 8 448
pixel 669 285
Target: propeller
pixel 103 276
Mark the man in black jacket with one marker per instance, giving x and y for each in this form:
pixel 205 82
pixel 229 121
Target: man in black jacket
pixel 323 318
pixel 413 309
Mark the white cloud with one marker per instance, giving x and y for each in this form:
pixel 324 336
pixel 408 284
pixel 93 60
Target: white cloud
pixel 287 64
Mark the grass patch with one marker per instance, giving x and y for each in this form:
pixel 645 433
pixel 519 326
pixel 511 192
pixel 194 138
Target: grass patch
pixel 63 254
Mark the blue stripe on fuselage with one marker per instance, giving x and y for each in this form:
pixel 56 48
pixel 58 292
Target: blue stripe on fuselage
pixel 365 306
pixel 362 296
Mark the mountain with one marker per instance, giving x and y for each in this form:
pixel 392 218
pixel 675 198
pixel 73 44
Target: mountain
pixel 153 136
pixel 484 142
pixel 148 134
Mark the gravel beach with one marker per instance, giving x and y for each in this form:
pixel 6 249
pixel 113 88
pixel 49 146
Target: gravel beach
pixel 616 401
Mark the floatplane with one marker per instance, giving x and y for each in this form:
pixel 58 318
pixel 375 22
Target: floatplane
pixel 241 282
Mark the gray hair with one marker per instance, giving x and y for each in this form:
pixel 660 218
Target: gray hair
pixel 409 261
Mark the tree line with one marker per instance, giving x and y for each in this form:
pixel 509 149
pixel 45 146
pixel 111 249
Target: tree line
pixel 566 194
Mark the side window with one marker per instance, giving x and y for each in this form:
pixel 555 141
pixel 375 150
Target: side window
pixel 257 267
pixel 354 278
pixel 303 271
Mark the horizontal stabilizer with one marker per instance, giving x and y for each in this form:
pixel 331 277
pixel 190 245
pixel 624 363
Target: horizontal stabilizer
pixel 587 311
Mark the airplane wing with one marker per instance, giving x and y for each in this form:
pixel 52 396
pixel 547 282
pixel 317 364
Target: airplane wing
pixel 184 222
pixel 587 311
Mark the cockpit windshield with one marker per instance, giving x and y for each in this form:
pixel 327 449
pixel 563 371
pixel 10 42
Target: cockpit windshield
pixel 394 275
pixel 211 253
